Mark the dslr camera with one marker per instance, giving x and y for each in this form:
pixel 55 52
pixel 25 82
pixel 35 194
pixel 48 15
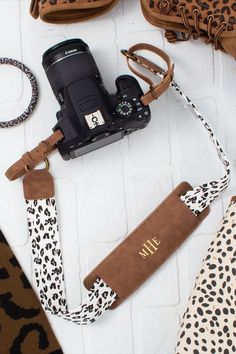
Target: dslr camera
pixel 90 117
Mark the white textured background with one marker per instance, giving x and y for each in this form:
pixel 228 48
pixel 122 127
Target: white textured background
pixel 105 194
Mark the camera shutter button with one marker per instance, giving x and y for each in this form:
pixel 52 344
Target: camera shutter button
pixel 124 109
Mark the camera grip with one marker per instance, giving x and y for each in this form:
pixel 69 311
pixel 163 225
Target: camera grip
pixel 148 246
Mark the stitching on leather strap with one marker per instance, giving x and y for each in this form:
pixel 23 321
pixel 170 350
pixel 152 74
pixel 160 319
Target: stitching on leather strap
pixel 154 93
pixel 47 146
pixel 27 158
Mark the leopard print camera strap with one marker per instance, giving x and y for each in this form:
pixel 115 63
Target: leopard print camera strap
pixel 44 230
pixel 34 97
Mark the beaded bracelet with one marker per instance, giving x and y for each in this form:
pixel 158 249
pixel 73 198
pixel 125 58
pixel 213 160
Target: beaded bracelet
pixel 34 97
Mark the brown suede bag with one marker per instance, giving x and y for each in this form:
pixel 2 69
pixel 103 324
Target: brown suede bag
pixel 24 328
pixel 66 11
pixel 214 20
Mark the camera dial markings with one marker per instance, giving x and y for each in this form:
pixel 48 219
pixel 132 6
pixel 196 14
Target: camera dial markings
pixel 124 109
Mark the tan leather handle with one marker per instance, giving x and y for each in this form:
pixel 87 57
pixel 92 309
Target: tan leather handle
pixel 32 158
pixel 155 90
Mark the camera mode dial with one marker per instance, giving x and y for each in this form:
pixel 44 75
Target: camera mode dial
pixel 124 109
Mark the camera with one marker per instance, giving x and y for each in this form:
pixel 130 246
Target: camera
pixel 90 117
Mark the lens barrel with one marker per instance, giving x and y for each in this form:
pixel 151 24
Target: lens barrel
pixel 67 62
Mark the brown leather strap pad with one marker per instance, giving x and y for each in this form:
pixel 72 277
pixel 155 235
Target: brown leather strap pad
pixel 133 261
pixel 30 159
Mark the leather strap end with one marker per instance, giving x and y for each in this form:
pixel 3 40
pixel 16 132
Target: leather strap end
pixel 38 184
pixel 155 92
pixel 14 171
pixel 34 9
pixel 32 158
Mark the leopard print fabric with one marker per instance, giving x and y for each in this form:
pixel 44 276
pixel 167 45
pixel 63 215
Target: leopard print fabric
pixel 212 20
pixel 209 323
pixel 222 11
pixel 34 97
pixel 203 195
pixel 48 268
pixel 24 328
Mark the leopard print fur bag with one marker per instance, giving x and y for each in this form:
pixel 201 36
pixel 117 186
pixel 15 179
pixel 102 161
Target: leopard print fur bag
pixel 209 323
pixel 213 20
pixel 66 11
pixel 24 328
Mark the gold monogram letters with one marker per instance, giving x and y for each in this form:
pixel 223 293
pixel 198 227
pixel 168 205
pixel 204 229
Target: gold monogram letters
pixel 149 247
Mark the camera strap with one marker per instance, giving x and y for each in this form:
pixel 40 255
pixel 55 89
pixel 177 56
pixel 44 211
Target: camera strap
pixel 156 90
pixel 32 158
pixel 138 256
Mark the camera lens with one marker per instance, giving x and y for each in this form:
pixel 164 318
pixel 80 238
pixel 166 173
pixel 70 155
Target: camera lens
pixel 50 56
pixel 67 62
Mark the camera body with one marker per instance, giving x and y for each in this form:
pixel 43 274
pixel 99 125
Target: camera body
pixel 90 117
